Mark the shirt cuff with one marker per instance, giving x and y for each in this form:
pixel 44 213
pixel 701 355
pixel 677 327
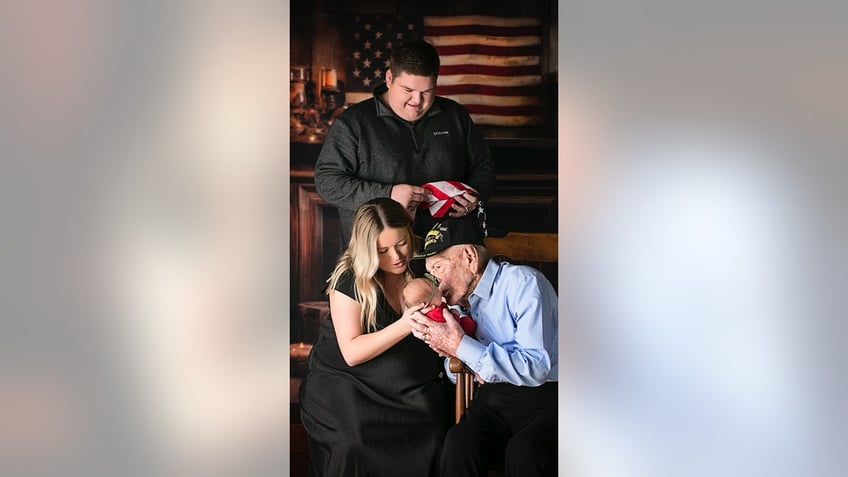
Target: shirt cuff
pixel 451 376
pixel 470 351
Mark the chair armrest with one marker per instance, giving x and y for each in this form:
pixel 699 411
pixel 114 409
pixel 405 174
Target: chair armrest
pixel 464 385
pixel 456 365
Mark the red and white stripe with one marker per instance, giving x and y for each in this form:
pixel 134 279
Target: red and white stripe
pixel 440 196
pixel 490 65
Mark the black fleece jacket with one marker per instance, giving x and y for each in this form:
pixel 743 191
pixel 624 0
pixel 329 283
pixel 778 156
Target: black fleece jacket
pixel 369 149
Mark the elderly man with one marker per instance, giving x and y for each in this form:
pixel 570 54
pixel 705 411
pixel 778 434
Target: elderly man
pixel 514 353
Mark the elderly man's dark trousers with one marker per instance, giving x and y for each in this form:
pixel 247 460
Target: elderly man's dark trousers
pixel 510 426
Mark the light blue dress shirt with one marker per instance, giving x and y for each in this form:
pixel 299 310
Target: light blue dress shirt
pixel 515 308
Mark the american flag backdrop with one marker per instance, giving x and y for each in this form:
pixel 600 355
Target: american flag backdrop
pixel 490 65
pixel 370 39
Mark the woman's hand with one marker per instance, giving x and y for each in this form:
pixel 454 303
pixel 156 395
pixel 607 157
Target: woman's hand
pixel 411 316
pixel 421 323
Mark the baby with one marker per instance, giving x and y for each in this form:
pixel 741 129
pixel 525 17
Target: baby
pixel 423 290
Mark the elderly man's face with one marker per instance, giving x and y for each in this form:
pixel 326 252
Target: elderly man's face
pixel 455 271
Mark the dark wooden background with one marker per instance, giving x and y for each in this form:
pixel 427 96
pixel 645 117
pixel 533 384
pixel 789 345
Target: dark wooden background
pixel 526 188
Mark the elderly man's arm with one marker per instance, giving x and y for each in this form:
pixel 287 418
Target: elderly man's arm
pixel 526 360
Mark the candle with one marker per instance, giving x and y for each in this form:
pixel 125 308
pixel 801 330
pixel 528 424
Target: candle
pixel 330 79
pixel 299 354
pixel 300 350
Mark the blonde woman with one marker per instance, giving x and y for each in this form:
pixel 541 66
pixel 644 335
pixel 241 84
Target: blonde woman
pixel 373 400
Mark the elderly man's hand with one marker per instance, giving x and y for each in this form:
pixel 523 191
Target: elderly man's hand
pixel 443 338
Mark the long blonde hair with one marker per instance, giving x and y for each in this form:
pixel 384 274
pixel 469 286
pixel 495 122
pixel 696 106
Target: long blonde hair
pixel 361 257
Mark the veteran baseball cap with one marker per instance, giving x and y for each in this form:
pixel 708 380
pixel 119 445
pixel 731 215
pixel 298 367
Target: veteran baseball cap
pixel 450 232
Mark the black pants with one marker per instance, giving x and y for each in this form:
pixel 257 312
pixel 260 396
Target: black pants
pixel 515 425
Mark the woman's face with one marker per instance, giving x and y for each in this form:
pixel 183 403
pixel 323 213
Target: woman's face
pixel 393 250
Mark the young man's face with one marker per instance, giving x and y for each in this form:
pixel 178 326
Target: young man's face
pixel 410 96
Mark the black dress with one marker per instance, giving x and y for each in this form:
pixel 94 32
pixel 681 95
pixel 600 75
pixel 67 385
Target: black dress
pixel 385 417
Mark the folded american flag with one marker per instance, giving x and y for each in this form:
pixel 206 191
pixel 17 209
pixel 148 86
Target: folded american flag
pixel 441 196
pixel 490 65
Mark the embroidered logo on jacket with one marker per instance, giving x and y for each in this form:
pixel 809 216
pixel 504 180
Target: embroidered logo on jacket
pixel 440 133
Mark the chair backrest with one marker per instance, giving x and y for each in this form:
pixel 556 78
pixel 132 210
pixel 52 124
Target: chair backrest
pixel 537 249
pixel 525 246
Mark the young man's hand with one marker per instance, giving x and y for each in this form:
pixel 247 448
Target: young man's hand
pixel 409 196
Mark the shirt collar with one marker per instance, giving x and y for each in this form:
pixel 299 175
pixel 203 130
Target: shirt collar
pixel 483 290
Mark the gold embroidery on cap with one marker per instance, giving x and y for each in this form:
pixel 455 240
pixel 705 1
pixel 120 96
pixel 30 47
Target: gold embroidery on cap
pixel 432 237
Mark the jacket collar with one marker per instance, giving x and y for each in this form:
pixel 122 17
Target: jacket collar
pixel 384 110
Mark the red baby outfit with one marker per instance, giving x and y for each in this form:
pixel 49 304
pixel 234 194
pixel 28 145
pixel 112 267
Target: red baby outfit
pixel 468 325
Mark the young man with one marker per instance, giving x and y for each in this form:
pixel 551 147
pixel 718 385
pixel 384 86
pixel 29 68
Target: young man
pixel 403 137
pixel 514 413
